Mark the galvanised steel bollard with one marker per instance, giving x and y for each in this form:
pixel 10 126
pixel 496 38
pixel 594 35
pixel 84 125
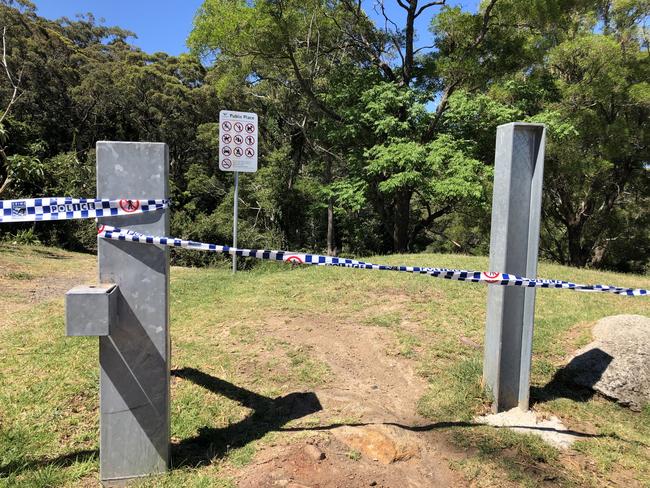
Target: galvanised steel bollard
pixel 129 312
pixel 135 358
pixel 514 244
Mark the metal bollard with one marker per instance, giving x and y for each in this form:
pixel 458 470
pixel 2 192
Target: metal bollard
pixel 129 312
pixel 514 244
pixel 134 358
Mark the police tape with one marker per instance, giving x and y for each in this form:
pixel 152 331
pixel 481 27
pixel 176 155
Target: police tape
pixel 492 278
pixel 66 208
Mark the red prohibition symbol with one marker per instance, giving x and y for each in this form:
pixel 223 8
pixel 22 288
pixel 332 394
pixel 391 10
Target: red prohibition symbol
pixel 226 151
pixel 250 128
pixel 491 276
pixel 100 229
pixel 238 152
pixel 226 138
pixel 226 163
pixel 129 206
pixel 249 152
pixel 226 125
pixel 239 127
pixel 250 140
pixel 238 139
pixel 294 260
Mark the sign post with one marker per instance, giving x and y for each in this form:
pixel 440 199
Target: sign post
pixel 235 217
pixel 237 153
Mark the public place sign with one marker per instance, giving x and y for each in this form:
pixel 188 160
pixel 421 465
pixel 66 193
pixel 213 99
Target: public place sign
pixel 238 141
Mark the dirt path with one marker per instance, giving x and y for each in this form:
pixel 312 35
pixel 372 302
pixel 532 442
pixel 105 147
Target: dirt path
pixel 368 434
pixel 30 276
pixel 369 383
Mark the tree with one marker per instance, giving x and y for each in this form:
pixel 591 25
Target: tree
pixel 594 96
pixel 305 47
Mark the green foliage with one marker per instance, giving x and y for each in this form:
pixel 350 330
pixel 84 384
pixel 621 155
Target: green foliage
pixel 25 170
pixel 368 144
pixel 23 236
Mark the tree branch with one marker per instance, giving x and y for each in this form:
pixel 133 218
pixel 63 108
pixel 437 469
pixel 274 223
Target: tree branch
pixel 485 25
pixel 427 5
pixel 394 36
pixel 403 5
pixel 307 89
pixel 451 87
pixel 14 83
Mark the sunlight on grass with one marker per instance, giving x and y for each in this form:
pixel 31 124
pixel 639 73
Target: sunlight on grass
pixel 49 383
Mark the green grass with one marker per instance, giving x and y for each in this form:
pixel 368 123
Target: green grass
pixel 49 383
pixel 354 455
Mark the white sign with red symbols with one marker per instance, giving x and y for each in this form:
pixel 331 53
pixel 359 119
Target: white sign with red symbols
pixel 238 141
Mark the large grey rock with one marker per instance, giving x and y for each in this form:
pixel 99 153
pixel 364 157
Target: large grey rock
pixel 617 362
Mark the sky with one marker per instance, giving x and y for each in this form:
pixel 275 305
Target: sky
pixel 164 25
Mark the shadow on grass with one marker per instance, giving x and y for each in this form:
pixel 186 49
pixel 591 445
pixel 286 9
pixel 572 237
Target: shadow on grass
pixel 271 415
pixel 50 254
pixel 17 467
pixel 575 380
pixel 442 425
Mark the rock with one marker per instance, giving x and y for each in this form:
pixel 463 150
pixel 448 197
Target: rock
pixel 384 443
pixel 617 362
pixel 314 452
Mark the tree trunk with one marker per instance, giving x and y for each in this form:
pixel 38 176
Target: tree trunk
pixel 402 207
pixel 332 249
pixel 578 255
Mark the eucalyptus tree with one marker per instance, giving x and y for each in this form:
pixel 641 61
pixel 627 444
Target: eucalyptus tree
pixel 590 86
pixel 366 94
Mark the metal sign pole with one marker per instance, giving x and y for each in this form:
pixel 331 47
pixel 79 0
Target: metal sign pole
pixel 234 222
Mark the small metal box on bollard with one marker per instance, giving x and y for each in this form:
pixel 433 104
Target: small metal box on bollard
pixel 90 310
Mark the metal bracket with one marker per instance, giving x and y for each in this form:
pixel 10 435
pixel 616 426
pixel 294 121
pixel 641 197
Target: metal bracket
pixel 91 310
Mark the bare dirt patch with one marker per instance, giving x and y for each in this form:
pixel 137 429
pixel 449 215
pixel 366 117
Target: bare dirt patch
pixel 369 383
pixel 295 466
pixel 369 431
pixel 30 276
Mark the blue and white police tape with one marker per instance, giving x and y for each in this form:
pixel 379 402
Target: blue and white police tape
pixel 66 208
pixel 493 278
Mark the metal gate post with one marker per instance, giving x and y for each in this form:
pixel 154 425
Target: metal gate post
pixel 134 358
pixel 514 244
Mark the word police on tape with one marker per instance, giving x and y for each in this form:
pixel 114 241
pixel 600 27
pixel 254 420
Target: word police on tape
pixel 65 208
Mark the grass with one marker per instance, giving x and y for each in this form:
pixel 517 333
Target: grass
pixel 49 383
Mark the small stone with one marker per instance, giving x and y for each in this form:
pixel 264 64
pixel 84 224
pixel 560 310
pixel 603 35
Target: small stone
pixel 314 452
pixel 373 483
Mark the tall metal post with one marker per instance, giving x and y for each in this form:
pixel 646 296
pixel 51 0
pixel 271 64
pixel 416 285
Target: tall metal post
pixel 134 358
pixel 235 217
pixel 514 244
